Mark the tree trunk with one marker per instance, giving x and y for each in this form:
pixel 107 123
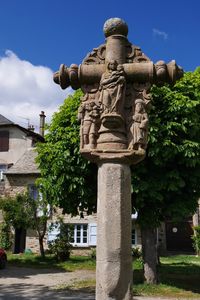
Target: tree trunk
pixel 42 253
pixel 196 222
pixel 41 227
pixel 149 252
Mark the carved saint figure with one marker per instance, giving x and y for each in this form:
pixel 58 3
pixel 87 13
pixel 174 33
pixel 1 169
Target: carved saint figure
pixel 112 87
pixel 89 113
pixel 138 129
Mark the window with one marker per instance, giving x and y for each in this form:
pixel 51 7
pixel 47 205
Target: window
pixel 33 191
pixel 4 141
pixel 53 232
pixel 134 237
pixel 36 195
pixel 3 168
pixel 80 235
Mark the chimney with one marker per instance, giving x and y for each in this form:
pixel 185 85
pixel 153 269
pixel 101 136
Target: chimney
pixel 42 123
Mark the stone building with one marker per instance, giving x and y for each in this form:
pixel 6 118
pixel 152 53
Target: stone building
pixel 85 232
pixel 18 170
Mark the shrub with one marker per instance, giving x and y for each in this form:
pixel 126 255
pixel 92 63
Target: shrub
pixel 61 246
pixel 196 239
pixel 93 253
pixel 5 236
pixel 136 252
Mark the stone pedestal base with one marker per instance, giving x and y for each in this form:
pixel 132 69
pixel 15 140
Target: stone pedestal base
pixel 114 261
pixel 112 137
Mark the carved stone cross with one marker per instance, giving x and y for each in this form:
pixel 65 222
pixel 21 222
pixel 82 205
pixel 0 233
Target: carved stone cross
pixel 115 78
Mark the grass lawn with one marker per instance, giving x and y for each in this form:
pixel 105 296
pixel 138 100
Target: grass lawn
pixel 179 275
pixel 35 261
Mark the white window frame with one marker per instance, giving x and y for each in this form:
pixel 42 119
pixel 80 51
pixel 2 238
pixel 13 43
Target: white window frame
pixel 53 232
pixel 36 194
pixel 81 243
pixel 3 168
pixel 134 229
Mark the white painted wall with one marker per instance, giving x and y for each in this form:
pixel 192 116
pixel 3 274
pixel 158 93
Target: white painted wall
pixel 18 144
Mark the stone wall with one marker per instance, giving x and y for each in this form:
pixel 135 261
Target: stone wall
pixel 2 192
pixel 32 241
pixel 18 183
pixel 2 188
pixel 15 184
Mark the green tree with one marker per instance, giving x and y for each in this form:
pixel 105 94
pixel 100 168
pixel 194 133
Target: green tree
pixel 40 213
pixel 166 183
pixel 6 237
pixel 68 179
pixel 16 214
pixel 22 211
pixel 61 246
pixel 16 211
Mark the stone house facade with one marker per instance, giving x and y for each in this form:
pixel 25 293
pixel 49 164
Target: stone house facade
pixel 85 231
pixel 18 169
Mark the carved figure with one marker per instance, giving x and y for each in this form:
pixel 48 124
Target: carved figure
pixel 139 127
pixel 89 113
pixel 112 87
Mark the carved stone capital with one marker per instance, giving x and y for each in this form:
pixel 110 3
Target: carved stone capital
pixel 115 78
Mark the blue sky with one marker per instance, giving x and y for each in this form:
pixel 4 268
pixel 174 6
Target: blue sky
pixel 42 34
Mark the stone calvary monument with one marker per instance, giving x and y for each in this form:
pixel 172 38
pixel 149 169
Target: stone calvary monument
pixel 115 78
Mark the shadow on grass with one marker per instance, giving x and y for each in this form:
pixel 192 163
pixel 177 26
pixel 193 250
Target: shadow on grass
pixel 50 263
pixel 183 275
pixel 33 261
pixel 138 277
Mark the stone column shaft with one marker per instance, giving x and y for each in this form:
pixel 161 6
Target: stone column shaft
pixel 114 261
pixel 116 49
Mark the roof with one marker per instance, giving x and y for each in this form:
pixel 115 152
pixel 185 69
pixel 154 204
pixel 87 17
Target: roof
pixel 25 165
pixel 5 121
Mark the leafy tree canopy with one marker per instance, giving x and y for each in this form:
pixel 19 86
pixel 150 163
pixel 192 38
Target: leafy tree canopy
pixel 165 184
pixel 68 179
pixel 17 211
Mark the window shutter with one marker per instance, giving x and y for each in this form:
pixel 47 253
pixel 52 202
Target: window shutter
pixel 4 141
pixel 92 229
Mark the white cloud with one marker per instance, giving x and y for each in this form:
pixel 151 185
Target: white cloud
pixel 26 90
pixel 160 33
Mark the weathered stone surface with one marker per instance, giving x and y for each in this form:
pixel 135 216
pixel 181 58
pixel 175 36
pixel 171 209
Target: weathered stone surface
pixel 114 272
pixel 115 26
pixel 115 77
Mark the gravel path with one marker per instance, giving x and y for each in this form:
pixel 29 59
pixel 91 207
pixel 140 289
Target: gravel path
pixel 46 277
pixel 39 284
pixel 27 283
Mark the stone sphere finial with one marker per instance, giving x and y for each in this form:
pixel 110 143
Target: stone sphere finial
pixel 115 26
